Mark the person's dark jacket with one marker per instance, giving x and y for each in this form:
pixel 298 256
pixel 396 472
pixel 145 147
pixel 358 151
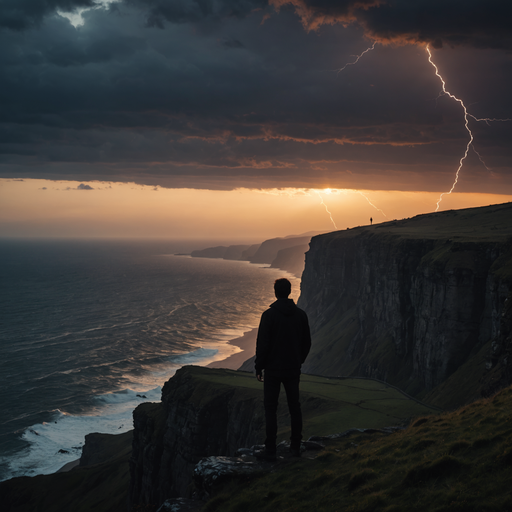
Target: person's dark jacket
pixel 284 339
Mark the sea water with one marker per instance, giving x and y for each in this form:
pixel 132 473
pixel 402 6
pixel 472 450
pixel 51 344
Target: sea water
pixel 89 329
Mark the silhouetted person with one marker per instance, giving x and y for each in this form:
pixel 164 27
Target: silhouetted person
pixel 371 221
pixel 282 346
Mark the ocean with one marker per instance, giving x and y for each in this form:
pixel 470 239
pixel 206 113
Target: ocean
pixel 91 328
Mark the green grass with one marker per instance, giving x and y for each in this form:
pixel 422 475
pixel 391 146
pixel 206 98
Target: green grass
pixel 329 405
pixel 490 223
pixel 458 461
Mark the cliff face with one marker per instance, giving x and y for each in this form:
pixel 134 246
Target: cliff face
pixel 196 418
pixel 268 250
pixel 409 302
pixel 291 259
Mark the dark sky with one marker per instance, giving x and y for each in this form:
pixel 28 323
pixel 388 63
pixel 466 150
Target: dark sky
pixel 222 94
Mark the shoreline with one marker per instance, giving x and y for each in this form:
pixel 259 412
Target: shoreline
pixel 247 343
pixel 68 467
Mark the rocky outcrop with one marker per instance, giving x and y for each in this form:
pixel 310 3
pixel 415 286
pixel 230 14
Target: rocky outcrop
pixel 409 302
pixel 211 473
pixel 268 250
pixel 99 448
pixel 232 252
pixel 292 259
pixel 197 418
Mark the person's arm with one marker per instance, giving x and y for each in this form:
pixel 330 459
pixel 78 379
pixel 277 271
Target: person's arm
pixel 262 345
pixel 306 339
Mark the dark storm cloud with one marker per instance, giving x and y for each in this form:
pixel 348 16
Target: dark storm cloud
pixel 477 23
pixel 22 14
pixel 232 43
pixel 187 11
pixel 227 96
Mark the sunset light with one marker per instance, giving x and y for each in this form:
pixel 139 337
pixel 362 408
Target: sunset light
pixel 103 209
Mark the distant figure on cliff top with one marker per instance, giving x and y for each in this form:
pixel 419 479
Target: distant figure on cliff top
pixel 282 346
pixel 371 221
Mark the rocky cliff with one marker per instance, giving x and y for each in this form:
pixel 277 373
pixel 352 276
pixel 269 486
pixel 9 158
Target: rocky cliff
pixel 210 412
pixel 413 302
pixel 200 415
pixel 291 259
pixel 284 253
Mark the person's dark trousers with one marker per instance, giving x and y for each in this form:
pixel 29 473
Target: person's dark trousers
pixel 271 387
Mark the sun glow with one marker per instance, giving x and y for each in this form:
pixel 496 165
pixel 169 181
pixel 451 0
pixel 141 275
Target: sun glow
pixel 45 208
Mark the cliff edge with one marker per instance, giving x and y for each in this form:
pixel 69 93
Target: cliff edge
pixel 415 303
pixel 208 412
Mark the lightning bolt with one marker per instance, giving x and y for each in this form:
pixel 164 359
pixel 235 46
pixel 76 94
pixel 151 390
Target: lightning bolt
pixel 467 115
pixel 371 204
pixel 466 124
pixel 481 159
pixel 357 58
pixel 488 120
pixel 327 209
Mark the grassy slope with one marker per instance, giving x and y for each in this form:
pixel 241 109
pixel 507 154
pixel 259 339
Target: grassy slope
pixel 489 223
pixel 458 461
pixel 330 405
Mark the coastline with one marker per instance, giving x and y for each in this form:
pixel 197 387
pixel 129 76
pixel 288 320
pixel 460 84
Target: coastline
pixel 247 343
pixel 69 466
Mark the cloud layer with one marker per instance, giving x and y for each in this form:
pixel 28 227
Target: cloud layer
pixel 476 23
pixel 236 93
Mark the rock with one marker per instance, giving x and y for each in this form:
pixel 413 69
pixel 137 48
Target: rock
pixel 194 420
pixel 211 473
pixel 312 445
pixel 99 448
pixel 181 505
pixel 244 451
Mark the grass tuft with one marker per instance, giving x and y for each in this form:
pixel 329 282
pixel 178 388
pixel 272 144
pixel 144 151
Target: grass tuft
pixel 360 479
pixel 437 469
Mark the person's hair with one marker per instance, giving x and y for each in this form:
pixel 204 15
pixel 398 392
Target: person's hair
pixel 282 288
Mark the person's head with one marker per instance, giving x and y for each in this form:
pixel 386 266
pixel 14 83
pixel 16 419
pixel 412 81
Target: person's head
pixel 282 288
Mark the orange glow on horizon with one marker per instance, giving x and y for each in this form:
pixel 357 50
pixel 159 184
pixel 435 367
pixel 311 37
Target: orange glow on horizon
pixel 46 208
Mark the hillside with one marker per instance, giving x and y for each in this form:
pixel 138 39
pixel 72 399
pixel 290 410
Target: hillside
pixel 458 461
